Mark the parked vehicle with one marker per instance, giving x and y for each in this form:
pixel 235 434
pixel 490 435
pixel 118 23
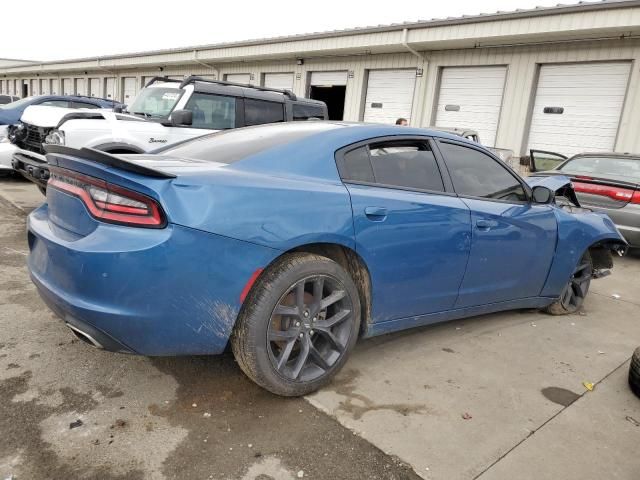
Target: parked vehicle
pixel 290 241
pixel 10 114
pixel 4 99
pixel 166 111
pixel 605 182
pixel 503 154
pixel 634 372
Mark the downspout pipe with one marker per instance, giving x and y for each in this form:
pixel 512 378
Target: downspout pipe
pixel 200 62
pixel 405 34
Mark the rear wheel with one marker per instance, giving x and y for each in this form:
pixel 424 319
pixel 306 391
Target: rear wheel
pixel 299 325
pixel 576 289
pixel 634 372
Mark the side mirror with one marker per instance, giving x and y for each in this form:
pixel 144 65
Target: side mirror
pixel 542 194
pixel 181 117
pixel 119 108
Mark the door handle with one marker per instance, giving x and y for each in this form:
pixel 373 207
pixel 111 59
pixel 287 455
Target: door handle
pixel 484 224
pixel 377 214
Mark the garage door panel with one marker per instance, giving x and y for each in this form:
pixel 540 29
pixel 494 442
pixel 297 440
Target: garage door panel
pixel 592 98
pixel 281 81
pixel 389 95
pixel 476 93
pixel 328 78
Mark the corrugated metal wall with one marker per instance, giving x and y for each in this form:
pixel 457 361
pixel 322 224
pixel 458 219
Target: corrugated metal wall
pixel 523 63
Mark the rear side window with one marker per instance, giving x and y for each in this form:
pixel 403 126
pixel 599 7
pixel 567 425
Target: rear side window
pixel 405 164
pixel 305 112
pixel 214 112
pixel 83 105
pixel 257 112
pixel 476 174
pixel 55 103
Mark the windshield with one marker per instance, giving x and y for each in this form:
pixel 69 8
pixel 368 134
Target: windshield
pixel 155 102
pixel 25 102
pixel 623 168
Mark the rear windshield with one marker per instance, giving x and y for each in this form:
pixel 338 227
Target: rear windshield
pixel 233 145
pixel 623 168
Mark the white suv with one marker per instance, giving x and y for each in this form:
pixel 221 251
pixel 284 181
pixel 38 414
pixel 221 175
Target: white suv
pixel 164 112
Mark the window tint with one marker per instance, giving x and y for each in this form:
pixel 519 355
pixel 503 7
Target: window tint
pixel 257 112
pixel 478 175
pixel 405 164
pixel 233 145
pixel 305 112
pixel 356 166
pixel 83 105
pixel 215 112
pixel 55 103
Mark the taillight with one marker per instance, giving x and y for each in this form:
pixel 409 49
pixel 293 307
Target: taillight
pixel 615 193
pixel 635 198
pixel 108 202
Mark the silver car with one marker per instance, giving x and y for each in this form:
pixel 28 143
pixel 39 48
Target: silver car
pixel 606 182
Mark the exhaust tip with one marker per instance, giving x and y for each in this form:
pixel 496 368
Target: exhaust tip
pixel 84 336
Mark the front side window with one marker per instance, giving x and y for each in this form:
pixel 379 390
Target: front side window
pixel 405 164
pixel 214 112
pixel 257 112
pixel 476 174
pixel 155 102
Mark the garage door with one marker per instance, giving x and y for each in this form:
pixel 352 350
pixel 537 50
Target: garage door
pixel 471 98
pixel 45 86
pixel 81 86
pixel 94 87
pixel 328 78
pixel 389 95
pixel 67 86
pixel 578 107
pixel 129 90
pixel 282 81
pixel 110 88
pixel 238 78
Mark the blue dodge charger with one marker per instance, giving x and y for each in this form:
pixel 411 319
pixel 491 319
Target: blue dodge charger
pixel 288 242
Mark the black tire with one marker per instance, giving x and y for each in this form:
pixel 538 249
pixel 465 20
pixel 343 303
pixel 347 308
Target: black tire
pixel 576 289
pixel 634 372
pixel 282 352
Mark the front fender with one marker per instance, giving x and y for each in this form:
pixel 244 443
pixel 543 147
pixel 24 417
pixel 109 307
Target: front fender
pixel 578 229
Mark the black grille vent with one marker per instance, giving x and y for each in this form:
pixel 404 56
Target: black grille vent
pixel 33 138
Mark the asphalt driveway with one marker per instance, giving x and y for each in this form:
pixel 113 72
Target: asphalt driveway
pixel 494 397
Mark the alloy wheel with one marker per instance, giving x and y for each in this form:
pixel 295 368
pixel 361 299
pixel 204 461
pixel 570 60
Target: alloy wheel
pixel 309 328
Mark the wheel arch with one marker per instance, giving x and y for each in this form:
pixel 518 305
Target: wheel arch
pixel 348 259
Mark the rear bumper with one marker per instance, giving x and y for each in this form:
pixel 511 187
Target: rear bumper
pixel 174 291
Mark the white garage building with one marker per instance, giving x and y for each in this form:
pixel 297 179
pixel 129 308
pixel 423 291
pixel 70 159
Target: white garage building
pixel 563 78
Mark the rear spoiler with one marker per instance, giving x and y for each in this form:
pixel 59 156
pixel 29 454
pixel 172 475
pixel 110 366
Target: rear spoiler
pixel 104 158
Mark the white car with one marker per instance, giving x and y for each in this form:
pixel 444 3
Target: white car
pixel 163 113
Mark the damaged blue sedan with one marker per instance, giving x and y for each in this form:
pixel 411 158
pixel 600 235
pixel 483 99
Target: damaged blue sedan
pixel 288 242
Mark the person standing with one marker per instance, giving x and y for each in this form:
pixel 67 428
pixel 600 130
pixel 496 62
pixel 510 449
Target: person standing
pixel 403 122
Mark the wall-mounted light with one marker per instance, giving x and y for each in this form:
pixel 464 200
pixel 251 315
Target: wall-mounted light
pixel 299 61
pixel 350 74
pixel 161 69
pixel 419 72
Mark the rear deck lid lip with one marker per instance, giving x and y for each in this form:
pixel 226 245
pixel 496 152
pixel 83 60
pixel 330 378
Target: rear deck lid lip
pixel 103 158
